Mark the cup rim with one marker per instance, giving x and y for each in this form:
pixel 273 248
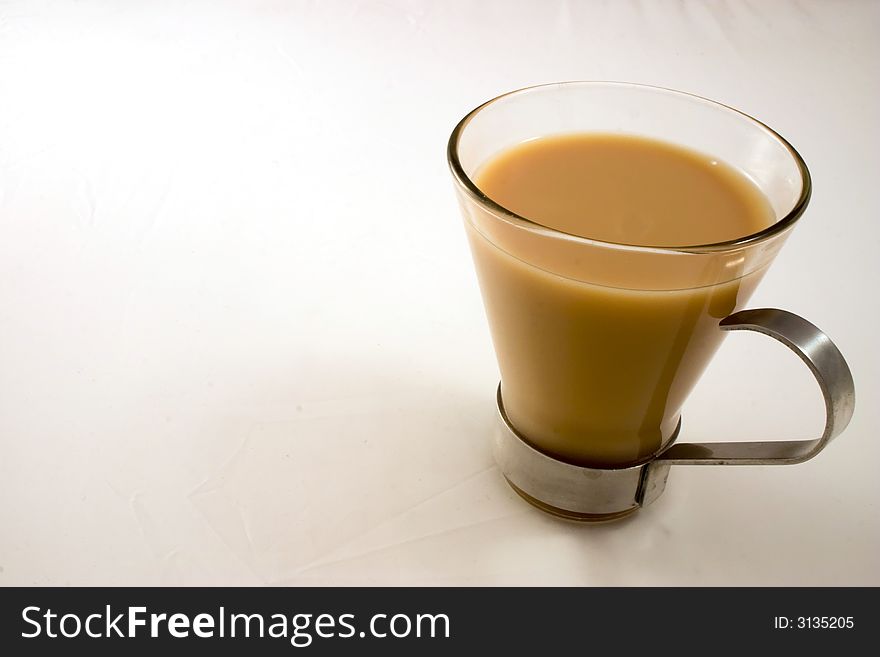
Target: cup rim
pixel 762 235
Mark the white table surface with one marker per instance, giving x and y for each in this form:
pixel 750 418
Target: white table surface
pixel 241 340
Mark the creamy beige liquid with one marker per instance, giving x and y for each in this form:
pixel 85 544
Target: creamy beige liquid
pixel 597 374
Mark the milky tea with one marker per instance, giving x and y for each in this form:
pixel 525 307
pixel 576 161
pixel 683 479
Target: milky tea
pixel 593 374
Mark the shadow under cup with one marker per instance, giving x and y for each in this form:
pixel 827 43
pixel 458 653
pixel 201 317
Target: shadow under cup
pixel 599 344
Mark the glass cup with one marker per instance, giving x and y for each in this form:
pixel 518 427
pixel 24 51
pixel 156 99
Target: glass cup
pixel 599 343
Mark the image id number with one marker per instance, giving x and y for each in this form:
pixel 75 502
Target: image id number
pixel 813 622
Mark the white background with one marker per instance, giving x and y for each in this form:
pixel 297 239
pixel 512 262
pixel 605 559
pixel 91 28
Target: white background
pixel 241 340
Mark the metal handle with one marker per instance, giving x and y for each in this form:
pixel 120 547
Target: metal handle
pixel 585 493
pixel 827 365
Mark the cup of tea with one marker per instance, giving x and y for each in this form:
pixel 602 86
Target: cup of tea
pixel 617 231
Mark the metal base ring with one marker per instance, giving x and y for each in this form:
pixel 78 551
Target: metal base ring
pixel 573 491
